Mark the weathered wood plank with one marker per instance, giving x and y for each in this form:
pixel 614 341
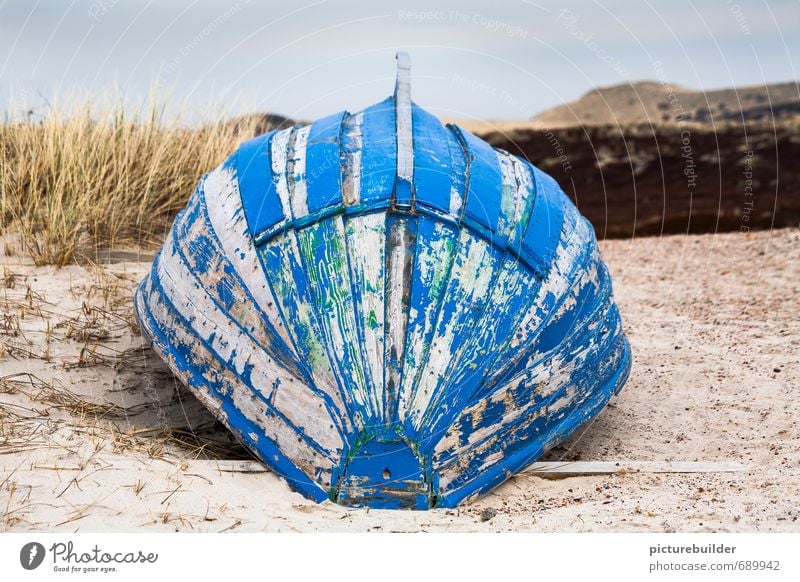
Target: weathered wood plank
pixel 378 153
pixel 226 218
pixel 259 199
pixel 401 246
pixel 323 247
pixel 322 160
pixel 569 257
pixel 364 235
pixel 509 298
pixel 538 419
pixel 471 276
pixel 432 161
pixel 544 388
pixel 284 264
pixel 436 249
pixel 308 411
pixel 243 411
pixel 404 182
pixel 288 276
pixel 543 469
pixel 201 258
pixel 296 167
pixel 561 470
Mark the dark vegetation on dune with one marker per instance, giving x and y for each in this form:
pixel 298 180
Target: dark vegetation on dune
pixel 649 180
pixel 649 157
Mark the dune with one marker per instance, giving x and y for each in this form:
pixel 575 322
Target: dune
pixel 658 103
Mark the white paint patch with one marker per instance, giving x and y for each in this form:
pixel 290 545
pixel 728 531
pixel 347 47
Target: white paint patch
pixel 299 190
pixel 510 196
pixel 351 165
pixel 279 155
pixel 456 202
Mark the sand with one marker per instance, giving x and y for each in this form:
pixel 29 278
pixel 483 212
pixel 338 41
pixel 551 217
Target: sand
pixel 96 435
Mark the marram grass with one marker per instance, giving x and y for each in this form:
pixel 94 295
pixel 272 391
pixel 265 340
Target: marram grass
pixel 93 180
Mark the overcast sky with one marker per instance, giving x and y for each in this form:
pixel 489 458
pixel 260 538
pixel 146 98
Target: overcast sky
pixel 496 59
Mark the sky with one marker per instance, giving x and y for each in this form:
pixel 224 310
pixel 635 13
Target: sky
pixel 497 59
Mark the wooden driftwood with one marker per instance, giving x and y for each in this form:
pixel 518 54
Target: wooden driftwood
pixel 560 470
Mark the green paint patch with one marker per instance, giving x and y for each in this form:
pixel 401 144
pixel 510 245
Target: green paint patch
pixel 372 320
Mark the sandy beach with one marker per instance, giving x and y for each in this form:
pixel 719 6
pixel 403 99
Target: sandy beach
pixel 96 435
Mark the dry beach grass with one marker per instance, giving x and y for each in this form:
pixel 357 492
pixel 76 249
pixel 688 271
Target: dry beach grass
pixel 100 179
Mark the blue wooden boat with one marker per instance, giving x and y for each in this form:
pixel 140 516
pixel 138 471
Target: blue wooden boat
pixel 387 311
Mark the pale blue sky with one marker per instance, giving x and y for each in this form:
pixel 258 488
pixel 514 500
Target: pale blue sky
pixel 506 59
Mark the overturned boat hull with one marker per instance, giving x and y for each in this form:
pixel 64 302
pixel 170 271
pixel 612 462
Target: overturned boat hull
pixel 387 311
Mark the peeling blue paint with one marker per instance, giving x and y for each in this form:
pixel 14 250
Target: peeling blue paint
pixel 323 175
pixel 387 319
